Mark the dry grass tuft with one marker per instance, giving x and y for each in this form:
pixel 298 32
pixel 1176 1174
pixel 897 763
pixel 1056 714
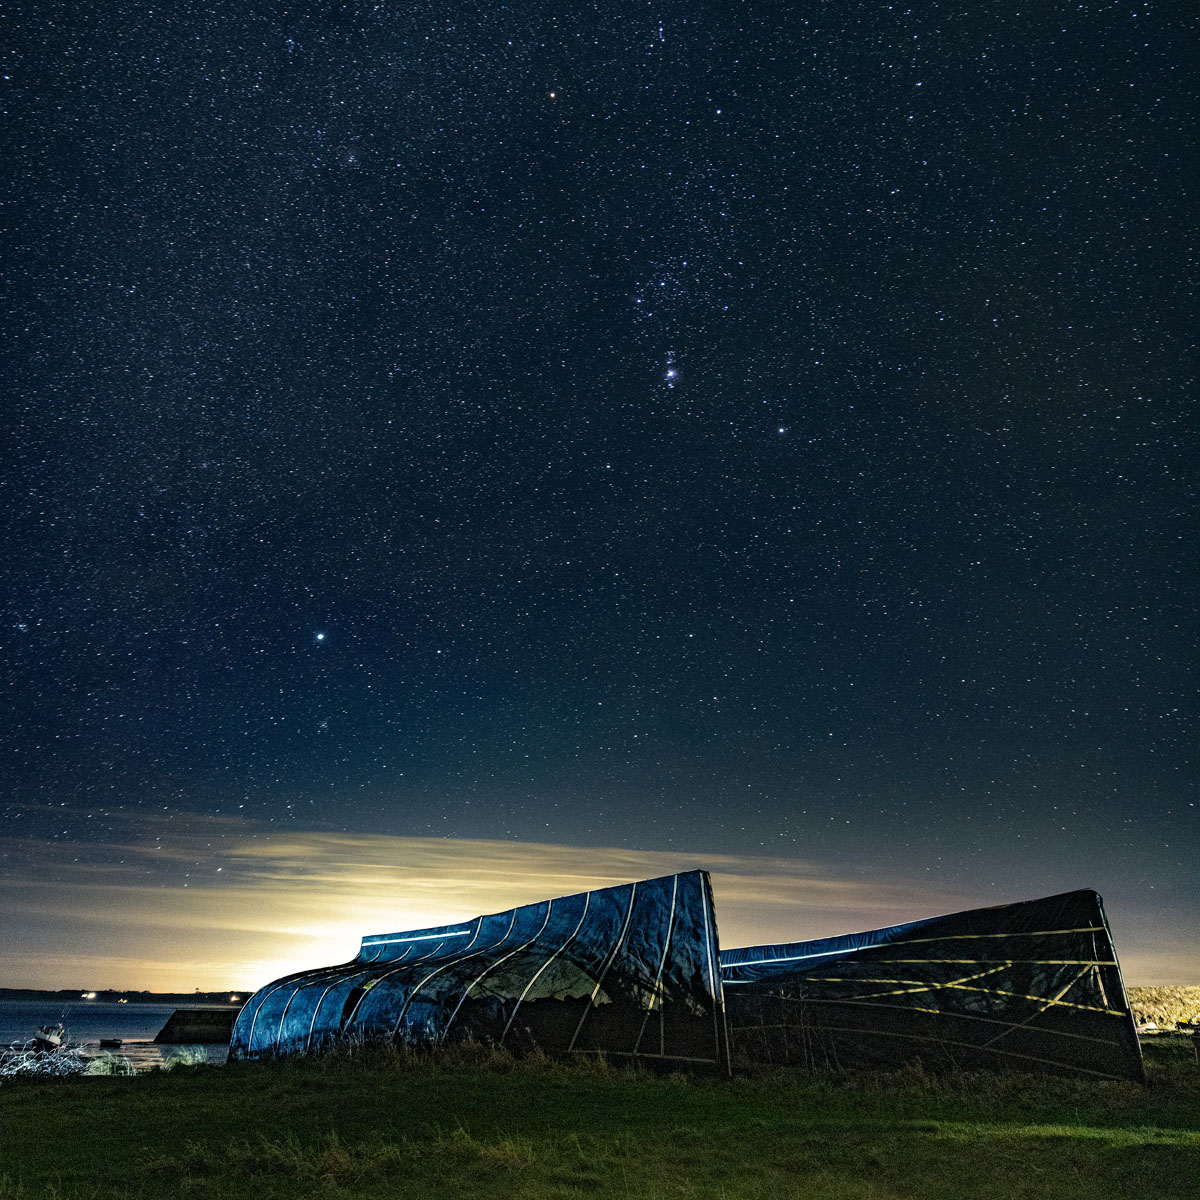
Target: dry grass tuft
pixel 1165 1006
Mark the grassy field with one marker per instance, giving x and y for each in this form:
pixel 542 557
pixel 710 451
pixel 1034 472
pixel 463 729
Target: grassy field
pixel 482 1125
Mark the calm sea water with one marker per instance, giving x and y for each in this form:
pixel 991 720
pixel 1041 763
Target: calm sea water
pixel 87 1021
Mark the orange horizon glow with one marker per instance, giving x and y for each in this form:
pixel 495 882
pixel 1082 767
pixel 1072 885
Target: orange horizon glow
pixel 281 903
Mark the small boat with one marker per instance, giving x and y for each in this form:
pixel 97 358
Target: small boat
pixel 111 1043
pixel 50 1037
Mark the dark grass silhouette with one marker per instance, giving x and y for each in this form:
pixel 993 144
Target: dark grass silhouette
pixel 469 1121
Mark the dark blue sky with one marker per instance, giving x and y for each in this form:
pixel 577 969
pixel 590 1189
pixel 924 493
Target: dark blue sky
pixel 745 428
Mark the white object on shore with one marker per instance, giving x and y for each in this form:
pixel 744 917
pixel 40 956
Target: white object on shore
pixel 53 1056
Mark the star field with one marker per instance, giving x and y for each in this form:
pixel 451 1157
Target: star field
pixel 726 428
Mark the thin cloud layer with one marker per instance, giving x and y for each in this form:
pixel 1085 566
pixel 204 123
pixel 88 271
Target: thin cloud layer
pixel 253 906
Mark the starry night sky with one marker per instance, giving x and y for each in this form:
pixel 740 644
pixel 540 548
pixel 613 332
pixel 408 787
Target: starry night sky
pixel 739 428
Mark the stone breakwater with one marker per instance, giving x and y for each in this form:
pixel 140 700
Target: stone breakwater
pixel 197 1026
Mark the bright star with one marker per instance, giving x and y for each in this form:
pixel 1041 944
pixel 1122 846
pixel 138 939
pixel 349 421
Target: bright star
pixel 320 637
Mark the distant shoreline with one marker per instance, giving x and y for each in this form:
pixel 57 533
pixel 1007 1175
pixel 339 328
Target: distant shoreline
pixel 218 999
